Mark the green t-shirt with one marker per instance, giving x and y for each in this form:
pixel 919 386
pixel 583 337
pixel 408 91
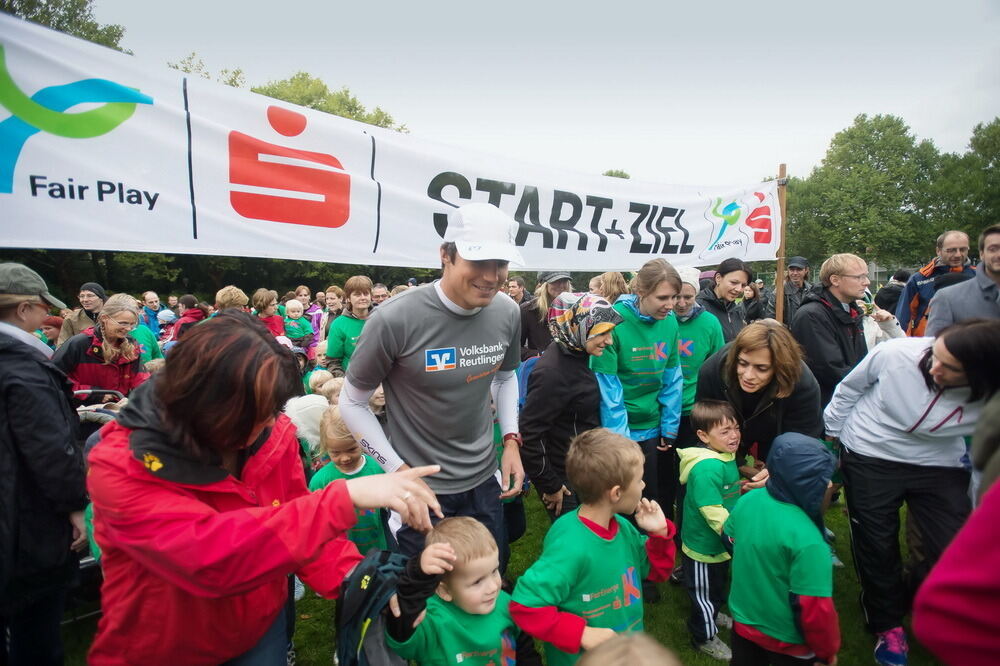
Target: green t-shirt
pixel 697 339
pixel 581 573
pixel 367 533
pixel 297 328
pixel 777 550
pixel 448 635
pixel 638 356
pixel 88 522
pixel 712 480
pixel 343 338
pixel 148 347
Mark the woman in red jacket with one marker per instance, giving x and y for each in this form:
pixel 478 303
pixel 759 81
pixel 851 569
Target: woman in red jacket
pixel 201 507
pixel 105 356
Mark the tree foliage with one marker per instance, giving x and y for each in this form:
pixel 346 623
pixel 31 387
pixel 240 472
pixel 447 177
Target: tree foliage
pixel 307 90
pixel 882 194
pixel 617 173
pixel 74 17
pixel 192 64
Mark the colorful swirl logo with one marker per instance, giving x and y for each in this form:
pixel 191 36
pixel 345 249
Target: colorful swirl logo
pixel 729 216
pixel 45 111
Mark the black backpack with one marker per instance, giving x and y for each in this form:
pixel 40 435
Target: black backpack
pixel 364 595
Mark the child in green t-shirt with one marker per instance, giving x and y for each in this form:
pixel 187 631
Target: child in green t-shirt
pixel 782 594
pixel 587 585
pixel 712 479
pixel 456 580
pixel 348 462
pixel 297 327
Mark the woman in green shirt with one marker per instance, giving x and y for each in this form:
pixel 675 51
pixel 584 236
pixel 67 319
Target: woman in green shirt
pixel 346 329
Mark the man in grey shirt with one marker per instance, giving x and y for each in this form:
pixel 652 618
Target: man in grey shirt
pixel 978 297
pixel 440 352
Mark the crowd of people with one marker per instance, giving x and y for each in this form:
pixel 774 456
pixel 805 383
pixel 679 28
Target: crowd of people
pixel 674 424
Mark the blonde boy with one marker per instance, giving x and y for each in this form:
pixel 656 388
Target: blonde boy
pixel 348 462
pixel 297 328
pixel 587 585
pixel 456 580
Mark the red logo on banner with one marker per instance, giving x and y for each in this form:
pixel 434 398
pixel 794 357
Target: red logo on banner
pixel 295 186
pixel 760 219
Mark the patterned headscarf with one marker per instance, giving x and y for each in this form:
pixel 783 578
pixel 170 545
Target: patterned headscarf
pixel 574 318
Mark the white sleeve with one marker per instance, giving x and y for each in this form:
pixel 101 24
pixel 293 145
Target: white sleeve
pixel 505 395
pixel 366 428
pixel 851 388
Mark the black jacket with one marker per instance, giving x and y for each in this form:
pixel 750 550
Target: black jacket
pixel 730 314
pixel 832 338
pixel 562 401
pixel 887 297
pixel 793 300
pixel 535 334
pixel 763 417
pixel 41 475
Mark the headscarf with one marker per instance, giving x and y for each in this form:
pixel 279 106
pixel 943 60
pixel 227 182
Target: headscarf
pixel 574 318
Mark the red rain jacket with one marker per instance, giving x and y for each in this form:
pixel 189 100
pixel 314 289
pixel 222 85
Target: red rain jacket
pixel 195 571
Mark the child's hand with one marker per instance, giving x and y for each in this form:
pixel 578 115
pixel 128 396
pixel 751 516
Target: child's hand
pixel 594 636
pixel 650 517
pixel 437 559
pixel 756 481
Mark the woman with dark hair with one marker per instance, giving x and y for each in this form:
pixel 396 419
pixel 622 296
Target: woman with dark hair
pixel 721 298
pixel 191 312
pixel 563 399
pixel 201 507
pixel 901 415
pixel 753 307
pixel 105 356
pixel 762 375
pixel 333 305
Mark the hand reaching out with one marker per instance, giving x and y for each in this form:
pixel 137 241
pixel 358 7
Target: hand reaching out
pixel 403 491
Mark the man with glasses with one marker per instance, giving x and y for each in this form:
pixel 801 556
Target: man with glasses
pixel 828 325
pixel 952 257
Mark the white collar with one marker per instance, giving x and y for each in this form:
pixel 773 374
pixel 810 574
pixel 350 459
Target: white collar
pixel 25 337
pixel 450 304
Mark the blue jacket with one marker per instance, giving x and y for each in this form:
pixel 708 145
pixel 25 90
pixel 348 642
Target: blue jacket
pixel 911 311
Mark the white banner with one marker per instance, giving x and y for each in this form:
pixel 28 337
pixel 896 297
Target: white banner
pixel 100 151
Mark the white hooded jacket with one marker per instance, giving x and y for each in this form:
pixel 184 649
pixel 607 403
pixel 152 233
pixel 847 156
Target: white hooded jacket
pixel 883 409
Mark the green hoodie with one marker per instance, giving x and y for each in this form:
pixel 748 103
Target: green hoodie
pixel 713 486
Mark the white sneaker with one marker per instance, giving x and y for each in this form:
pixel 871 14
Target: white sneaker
pixel 723 620
pixel 716 649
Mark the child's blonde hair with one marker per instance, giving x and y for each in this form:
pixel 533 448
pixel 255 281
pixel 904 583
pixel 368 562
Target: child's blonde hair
pixel 318 378
pixel 330 389
pixel 332 428
pixel 598 460
pixel 631 649
pixel 293 305
pixel 468 537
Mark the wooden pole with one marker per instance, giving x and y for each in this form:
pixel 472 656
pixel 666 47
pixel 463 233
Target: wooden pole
pixel 779 275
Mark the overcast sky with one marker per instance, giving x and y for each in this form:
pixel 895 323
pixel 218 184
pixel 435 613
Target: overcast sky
pixel 697 93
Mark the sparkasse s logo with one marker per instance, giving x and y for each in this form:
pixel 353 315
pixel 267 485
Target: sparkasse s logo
pixel 45 111
pixel 443 358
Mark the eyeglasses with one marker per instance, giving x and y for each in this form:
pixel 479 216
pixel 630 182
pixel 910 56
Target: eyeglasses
pixel 860 276
pixel 127 325
pixel 956 250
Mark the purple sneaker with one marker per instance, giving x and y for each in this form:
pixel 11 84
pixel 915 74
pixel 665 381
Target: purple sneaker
pixel 891 647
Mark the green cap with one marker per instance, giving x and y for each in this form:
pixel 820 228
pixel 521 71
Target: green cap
pixel 19 280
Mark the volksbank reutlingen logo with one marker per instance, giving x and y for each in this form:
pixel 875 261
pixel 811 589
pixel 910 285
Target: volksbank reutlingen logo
pixel 45 111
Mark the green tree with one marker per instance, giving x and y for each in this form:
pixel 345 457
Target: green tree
pixel 307 90
pixel 617 173
pixel 870 195
pixel 74 17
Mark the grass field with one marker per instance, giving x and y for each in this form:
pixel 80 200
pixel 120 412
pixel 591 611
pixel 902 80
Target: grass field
pixel 664 620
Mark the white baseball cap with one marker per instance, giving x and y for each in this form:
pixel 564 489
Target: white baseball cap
pixel 481 231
